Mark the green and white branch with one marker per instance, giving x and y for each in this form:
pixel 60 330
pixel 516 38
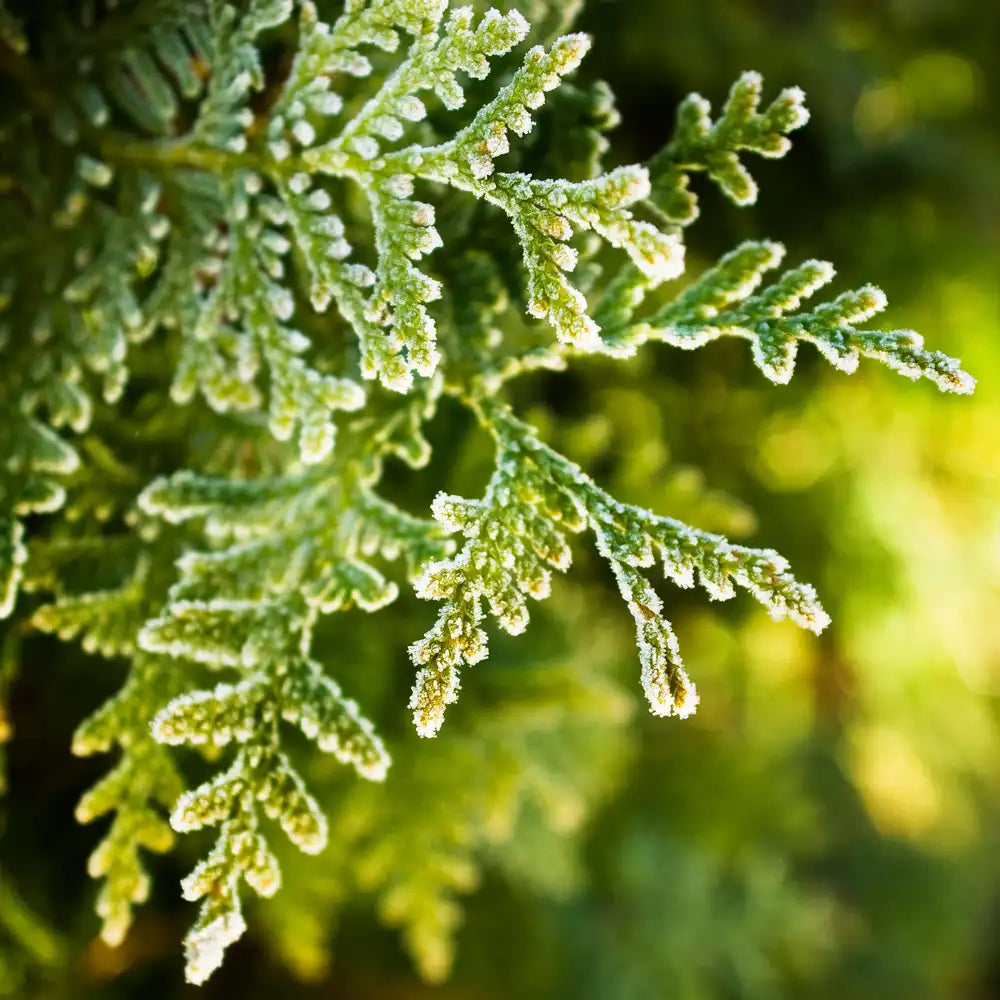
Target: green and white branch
pixel 517 534
pixel 250 240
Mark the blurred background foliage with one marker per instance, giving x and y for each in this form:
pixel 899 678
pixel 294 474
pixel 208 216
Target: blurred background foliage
pixel 828 824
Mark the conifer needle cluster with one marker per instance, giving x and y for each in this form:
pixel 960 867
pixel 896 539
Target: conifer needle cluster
pixel 270 237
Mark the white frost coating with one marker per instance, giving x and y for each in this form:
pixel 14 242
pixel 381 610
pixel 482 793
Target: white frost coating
pixel 232 331
pixel 516 534
pixel 305 134
pixel 205 946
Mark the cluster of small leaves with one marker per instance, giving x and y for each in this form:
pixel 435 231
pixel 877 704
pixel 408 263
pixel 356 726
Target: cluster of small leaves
pixel 234 321
pixel 264 218
pixel 242 320
pixel 547 214
pixel 699 144
pixel 523 771
pixel 237 191
pixel 725 301
pixel 73 252
pixel 398 334
pixel 149 82
pixel 145 780
pixel 517 533
pixel 285 551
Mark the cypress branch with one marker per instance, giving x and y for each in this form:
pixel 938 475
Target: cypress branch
pixel 232 288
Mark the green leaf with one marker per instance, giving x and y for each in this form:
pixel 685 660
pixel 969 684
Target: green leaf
pixel 699 144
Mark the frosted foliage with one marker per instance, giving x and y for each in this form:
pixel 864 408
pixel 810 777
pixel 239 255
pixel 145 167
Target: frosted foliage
pixel 726 301
pixel 546 214
pixel 240 850
pixel 518 532
pixel 206 944
pixel 286 551
pixel 301 256
pixel 699 144
pixel 12 556
pixel 143 782
pixel 259 198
